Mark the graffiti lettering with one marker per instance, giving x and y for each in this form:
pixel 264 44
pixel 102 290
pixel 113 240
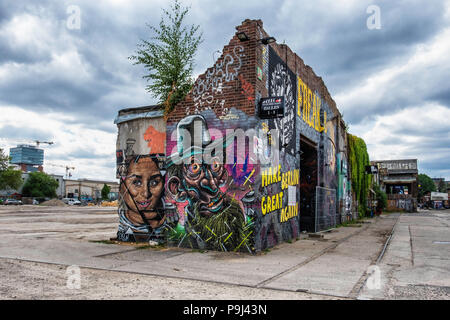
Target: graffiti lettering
pixel 275 202
pixel 288 213
pixel 290 178
pixel 207 92
pixel 272 203
pixel 270 176
pixel 309 106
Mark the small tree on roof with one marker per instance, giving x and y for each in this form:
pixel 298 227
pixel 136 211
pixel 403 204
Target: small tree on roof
pixel 169 57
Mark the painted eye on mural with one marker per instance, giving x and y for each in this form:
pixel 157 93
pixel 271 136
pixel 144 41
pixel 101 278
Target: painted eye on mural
pixel 215 166
pixel 154 183
pixel 137 182
pixel 194 168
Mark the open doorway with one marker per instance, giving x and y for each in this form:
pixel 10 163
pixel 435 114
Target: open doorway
pixel 308 184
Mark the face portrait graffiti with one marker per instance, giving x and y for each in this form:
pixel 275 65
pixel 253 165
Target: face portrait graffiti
pixel 201 183
pixel 141 189
pixel 209 208
pixel 206 180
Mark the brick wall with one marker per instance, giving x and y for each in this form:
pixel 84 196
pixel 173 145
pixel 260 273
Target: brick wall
pixel 232 94
pixel 229 83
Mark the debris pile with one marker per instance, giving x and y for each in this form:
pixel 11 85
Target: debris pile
pixel 53 203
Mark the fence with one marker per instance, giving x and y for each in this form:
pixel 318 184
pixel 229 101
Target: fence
pixel 326 213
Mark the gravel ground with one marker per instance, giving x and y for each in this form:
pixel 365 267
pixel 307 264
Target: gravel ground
pixel 31 280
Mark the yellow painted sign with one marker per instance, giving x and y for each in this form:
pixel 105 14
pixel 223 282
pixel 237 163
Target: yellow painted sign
pixel 274 202
pixel 308 107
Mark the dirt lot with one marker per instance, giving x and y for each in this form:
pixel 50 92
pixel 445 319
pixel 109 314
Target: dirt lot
pixel 42 247
pixel 31 280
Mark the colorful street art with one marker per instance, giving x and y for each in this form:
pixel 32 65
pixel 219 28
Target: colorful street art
pixel 155 140
pixel 282 83
pixel 141 208
pixel 214 201
pixel 184 191
pixel 140 165
pixel 309 107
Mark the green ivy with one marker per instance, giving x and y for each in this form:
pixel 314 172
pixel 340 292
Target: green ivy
pixel 359 159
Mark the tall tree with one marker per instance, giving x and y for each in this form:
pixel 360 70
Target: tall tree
pixel 40 185
pixel 105 191
pixel 4 160
pixel 9 178
pixel 442 186
pixel 169 57
pixel 426 185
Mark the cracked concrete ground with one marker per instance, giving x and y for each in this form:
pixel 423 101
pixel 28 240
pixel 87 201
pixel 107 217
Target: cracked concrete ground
pixel 40 243
pixel 416 264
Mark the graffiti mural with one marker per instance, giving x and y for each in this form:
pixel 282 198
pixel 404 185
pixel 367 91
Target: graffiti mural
pixel 278 185
pixel 155 140
pixel 184 191
pixel 310 107
pixel 141 209
pixel 282 82
pixel 215 201
pixel 140 164
pixel 207 93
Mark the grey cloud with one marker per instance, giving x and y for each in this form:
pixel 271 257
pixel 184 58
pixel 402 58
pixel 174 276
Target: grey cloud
pixel 428 131
pixel 442 95
pixel 86 154
pixel 435 164
pixel 23 134
pixel 411 88
pixel 346 54
pixel 26 56
pixel 81 154
pixel 425 144
pixel 97 43
pixel 349 51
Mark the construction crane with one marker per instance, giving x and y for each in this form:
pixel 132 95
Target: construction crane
pixel 39 142
pixel 68 174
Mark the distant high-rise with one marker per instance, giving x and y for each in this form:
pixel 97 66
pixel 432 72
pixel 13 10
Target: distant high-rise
pixel 28 157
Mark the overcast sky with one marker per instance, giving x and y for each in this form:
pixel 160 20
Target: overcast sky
pixel 62 84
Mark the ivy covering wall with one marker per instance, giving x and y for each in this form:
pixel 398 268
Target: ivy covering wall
pixel 359 159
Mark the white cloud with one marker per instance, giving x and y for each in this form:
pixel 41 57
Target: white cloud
pixel 408 82
pixel 60 76
pixel 420 132
pixel 90 151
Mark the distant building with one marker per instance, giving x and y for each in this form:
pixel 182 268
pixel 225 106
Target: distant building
pixel 61 185
pixel 438 181
pixel 398 178
pixel 439 199
pixel 89 190
pixel 28 158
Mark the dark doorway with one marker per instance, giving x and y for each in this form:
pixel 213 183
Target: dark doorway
pixel 308 184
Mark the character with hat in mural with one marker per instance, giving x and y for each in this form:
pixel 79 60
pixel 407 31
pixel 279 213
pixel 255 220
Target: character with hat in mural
pixel 197 177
